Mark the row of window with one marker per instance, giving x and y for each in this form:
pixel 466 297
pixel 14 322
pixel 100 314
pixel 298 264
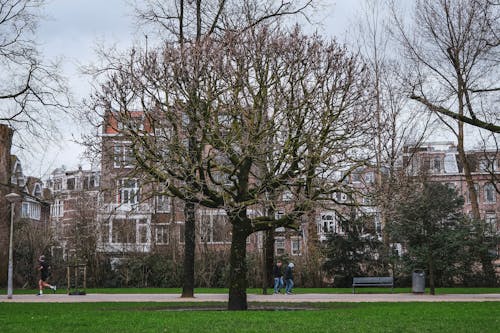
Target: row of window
pixel 280 246
pixel 31 210
pixel 138 231
pixel 438 163
pixel 75 183
pixel 489 193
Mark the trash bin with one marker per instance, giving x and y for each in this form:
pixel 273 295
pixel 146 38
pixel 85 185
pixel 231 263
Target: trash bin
pixel 418 281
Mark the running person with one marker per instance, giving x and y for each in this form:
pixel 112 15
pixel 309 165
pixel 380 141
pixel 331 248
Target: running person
pixel 44 275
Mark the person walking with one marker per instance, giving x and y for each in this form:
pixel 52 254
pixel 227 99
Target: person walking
pixel 289 278
pixel 43 267
pixel 278 277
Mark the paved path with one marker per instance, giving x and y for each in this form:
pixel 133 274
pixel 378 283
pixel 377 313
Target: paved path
pixel 314 298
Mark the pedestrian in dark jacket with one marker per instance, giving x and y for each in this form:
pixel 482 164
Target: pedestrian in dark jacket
pixel 278 277
pixel 289 278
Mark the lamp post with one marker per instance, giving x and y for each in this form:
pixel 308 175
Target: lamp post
pixel 12 198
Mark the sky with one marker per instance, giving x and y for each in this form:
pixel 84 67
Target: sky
pixel 70 31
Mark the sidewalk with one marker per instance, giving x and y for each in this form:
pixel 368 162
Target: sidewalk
pixel 307 298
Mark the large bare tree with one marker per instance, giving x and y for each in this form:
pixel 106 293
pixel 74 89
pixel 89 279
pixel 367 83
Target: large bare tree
pixel 182 22
pixel 259 92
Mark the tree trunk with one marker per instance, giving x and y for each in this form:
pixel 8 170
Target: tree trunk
pixel 467 172
pixel 189 250
pixel 5 173
pixel 432 284
pixel 238 266
pixel 268 250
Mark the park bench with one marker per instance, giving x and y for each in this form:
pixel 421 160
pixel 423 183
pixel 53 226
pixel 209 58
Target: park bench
pixel 385 281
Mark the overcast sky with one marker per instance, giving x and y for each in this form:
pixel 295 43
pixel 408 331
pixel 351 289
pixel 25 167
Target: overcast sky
pixel 72 29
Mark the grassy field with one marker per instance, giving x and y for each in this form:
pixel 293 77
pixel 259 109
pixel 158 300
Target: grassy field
pixel 439 291
pixel 205 317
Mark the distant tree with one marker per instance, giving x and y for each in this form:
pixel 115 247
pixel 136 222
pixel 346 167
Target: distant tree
pixel 429 222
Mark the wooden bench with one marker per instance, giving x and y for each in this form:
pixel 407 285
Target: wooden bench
pixel 385 281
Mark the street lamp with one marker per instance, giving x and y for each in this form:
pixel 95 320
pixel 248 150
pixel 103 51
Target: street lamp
pixel 12 198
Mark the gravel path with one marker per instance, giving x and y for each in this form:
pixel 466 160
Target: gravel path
pixel 314 298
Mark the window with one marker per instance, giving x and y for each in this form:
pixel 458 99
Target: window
pixel 123 231
pixel 476 187
pixel 287 195
pixel 162 204
pixel 214 227
pixel 340 197
pixel 37 191
pixel 57 184
pixel 70 183
pixel 295 245
pixel 161 234
pixel 142 232
pixel 327 223
pixel 279 244
pixel 437 165
pixel 128 191
pixel 105 232
pixel 488 165
pixel 31 210
pixel 369 177
pixel 123 156
pixel 131 122
pixel 489 193
pixel 491 222
pixel 90 182
pixel 57 209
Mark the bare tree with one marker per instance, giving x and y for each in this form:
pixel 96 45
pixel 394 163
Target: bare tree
pixel 454 50
pixel 30 90
pixel 395 123
pixel 458 49
pixel 183 22
pixel 306 94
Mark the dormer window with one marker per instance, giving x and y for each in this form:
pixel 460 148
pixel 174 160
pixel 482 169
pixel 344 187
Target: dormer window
pixel 37 191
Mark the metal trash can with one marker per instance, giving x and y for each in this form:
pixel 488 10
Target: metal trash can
pixel 418 281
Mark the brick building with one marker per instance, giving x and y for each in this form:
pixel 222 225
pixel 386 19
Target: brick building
pixel 74 198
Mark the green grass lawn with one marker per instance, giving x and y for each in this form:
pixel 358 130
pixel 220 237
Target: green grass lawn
pixel 439 291
pixel 331 317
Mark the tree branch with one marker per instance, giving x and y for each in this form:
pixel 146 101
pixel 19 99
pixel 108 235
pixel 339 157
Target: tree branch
pixel 441 110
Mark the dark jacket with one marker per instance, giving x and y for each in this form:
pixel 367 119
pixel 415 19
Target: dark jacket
pixel 288 273
pixel 277 272
pixel 44 270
